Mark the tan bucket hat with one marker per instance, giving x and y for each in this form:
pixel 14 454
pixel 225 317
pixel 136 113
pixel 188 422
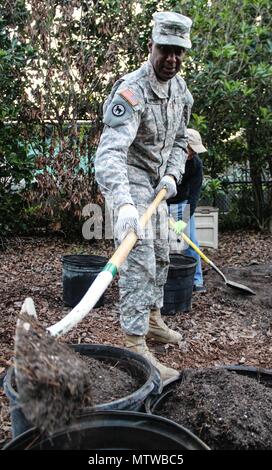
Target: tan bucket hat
pixel 195 141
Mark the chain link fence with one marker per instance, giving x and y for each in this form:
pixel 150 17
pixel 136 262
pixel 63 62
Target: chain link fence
pixel 236 204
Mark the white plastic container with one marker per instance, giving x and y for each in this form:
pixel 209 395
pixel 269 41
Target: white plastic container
pixel 206 219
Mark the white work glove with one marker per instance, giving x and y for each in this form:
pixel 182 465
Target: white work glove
pixel 169 184
pixel 128 220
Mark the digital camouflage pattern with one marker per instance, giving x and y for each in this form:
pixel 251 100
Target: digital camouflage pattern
pixel 172 28
pixel 144 138
pixel 189 101
pixel 144 273
pixel 152 137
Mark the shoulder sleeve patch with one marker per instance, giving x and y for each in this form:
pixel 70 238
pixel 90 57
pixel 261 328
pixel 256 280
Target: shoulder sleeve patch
pixel 118 111
pixel 129 96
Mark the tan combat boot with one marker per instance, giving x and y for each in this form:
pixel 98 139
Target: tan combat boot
pixel 159 331
pixel 137 344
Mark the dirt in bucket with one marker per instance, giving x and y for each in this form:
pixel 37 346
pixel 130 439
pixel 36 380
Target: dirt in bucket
pixel 50 404
pixel 55 383
pixel 228 411
pixel 111 381
pixel 52 381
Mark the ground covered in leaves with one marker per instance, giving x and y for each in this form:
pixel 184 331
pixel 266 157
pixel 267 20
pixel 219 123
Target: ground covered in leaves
pixel 223 326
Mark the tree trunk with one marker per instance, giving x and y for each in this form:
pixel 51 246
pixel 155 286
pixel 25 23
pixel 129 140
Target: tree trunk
pixel 258 193
pixel 255 166
pixel 269 189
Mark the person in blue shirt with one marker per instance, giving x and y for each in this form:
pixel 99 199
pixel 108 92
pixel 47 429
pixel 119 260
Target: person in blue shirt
pixel 183 205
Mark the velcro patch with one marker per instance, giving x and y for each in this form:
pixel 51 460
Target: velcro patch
pixel 117 112
pixel 129 96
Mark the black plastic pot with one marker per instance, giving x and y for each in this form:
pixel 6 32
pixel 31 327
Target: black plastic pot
pixel 115 430
pixel 135 364
pixel 179 286
pixel 19 423
pixel 78 273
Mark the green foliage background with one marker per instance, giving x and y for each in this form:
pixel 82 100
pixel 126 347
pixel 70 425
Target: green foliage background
pixel 58 61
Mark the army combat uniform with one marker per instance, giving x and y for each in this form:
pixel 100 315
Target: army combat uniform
pixel 144 138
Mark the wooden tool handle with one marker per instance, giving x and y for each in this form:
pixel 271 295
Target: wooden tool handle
pixel 128 243
pixel 104 278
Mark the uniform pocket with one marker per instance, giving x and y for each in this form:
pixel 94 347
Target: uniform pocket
pixel 152 128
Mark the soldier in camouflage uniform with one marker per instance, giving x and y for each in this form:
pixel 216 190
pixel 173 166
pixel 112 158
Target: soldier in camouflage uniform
pixel 143 149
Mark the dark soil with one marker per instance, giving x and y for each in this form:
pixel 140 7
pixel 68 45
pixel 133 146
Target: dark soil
pixel 256 276
pixel 223 327
pixel 226 410
pixel 109 381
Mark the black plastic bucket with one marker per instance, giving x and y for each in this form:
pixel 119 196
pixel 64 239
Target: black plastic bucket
pixel 78 273
pixel 135 364
pixel 19 423
pixel 115 430
pixel 179 286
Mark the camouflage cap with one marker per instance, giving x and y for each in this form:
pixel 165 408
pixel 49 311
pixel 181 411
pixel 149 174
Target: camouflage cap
pixel 172 29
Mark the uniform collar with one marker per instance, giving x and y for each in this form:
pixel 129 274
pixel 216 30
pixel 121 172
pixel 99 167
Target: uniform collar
pixel 154 82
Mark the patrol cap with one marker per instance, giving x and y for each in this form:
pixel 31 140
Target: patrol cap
pixel 195 141
pixel 172 29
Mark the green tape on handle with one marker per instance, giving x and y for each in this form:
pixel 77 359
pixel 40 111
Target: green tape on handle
pixel 112 268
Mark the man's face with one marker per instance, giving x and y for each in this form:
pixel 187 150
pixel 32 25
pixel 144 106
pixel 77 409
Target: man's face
pixel 166 60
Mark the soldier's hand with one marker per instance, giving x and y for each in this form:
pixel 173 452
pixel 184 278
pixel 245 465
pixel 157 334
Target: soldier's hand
pixel 128 220
pixel 168 182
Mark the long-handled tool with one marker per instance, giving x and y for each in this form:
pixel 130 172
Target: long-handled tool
pixel 105 277
pixel 234 285
pixel 51 381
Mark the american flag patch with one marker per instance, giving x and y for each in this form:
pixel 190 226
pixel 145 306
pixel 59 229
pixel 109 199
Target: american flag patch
pixel 129 96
